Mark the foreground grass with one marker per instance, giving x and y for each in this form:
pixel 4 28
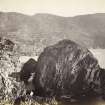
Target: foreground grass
pixel 94 102
pixel 28 103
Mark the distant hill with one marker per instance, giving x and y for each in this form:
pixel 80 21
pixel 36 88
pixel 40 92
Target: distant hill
pixel 33 33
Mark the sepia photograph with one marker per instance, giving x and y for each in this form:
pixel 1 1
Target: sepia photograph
pixel 52 52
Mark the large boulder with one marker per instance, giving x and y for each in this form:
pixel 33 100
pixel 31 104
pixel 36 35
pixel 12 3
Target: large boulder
pixel 66 70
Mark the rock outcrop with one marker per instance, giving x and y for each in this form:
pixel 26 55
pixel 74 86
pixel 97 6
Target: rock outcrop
pixel 67 69
pixel 9 88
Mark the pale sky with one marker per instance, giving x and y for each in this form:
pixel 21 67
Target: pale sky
pixel 57 7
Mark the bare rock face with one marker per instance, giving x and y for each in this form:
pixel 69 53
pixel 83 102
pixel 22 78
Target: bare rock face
pixel 67 70
pixel 9 88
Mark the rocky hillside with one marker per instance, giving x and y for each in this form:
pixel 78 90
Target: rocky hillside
pixel 9 88
pixel 35 32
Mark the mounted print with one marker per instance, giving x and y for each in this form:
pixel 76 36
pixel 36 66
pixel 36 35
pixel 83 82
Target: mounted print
pixel 52 52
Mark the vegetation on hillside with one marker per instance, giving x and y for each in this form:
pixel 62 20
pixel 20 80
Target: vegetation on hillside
pixel 33 33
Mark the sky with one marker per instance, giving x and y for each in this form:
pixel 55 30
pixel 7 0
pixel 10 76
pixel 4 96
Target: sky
pixel 58 7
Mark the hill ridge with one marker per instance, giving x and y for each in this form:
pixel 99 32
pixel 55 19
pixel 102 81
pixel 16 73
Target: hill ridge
pixel 41 30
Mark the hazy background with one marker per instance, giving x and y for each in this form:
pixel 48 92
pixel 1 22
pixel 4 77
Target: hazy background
pixel 58 7
pixel 51 21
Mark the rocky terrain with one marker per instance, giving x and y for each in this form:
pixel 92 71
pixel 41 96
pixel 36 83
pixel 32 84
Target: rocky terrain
pixel 9 88
pixel 23 35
